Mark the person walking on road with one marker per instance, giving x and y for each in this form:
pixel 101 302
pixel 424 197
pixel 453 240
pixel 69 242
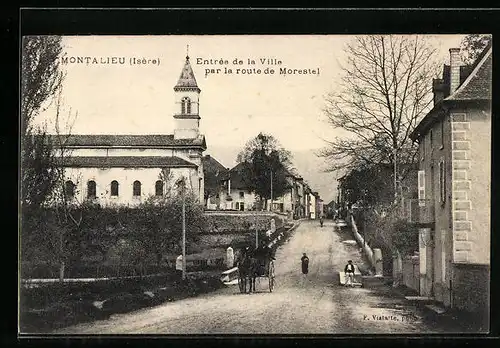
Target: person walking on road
pixel 305 265
pixel 349 273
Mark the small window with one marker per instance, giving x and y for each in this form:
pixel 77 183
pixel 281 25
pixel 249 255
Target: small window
pixel 159 188
pixel 69 189
pixel 442 182
pixel 242 194
pixel 422 149
pixel 137 188
pixel 91 189
pixel 114 188
pixel 185 106
pixel 442 134
pixel 421 187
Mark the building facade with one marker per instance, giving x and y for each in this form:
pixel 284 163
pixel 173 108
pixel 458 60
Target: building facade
pixel 225 189
pixel 127 169
pixel 216 176
pixel 454 186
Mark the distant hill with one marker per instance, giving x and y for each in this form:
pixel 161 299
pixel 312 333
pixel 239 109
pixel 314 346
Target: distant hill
pixel 309 166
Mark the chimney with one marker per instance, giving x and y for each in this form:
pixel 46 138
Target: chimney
pixel 454 69
pixel 438 90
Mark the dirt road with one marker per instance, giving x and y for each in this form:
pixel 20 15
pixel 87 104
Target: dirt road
pixel 317 304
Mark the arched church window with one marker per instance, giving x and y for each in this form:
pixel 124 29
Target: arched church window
pixel 185 105
pixel 69 189
pixel 137 188
pixel 159 188
pixel 91 189
pixel 114 188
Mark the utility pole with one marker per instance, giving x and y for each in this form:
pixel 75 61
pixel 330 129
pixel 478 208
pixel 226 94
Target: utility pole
pixel 365 208
pixel 256 232
pixel 271 191
pixel 183 232
pixel 395 176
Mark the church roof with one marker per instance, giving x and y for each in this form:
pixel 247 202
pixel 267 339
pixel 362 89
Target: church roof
pixel 125 162
pixel 127 140
pixel 186 80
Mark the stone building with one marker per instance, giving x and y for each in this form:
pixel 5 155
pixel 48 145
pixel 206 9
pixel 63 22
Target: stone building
pixel 454 186
pixel 126 169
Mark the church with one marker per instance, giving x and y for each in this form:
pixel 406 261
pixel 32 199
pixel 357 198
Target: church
pixel 127 169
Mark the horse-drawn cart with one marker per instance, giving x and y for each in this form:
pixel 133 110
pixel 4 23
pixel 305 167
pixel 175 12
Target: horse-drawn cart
pixel 251 268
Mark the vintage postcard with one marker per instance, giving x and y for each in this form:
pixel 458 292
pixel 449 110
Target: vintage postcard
pixel 255 184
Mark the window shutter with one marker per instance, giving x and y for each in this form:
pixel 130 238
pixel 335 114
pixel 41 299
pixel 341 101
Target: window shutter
pixel 421 188
pixel 442 182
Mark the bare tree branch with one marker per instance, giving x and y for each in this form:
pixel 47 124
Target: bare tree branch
pixel 385 91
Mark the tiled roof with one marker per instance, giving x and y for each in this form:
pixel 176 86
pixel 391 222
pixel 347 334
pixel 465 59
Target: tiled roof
pixel 125 162
pixel 117 140
pixel 465 71
pixel 213 167
pixel 476 87
pixel 236 174
pixel 187 79
pixel 478 84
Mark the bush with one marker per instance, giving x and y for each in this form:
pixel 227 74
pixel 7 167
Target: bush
pixel 404 236
pixel 223 222
pixel 389 232
pixel 133 237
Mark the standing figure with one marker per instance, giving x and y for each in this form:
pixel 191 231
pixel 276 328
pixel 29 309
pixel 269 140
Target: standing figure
pixel 321 220
pixel 305 264
pixel 349 273
pixel 178 266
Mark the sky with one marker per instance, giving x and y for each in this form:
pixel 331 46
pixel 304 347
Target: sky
pixel 139 99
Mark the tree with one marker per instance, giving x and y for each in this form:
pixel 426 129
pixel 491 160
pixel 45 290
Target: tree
pixel 472 46
pixel 265 166
pixel 161 221
pixel 41 78
pixel 385 90
pixel 369 185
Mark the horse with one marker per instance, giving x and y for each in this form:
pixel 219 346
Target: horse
pixel 244 264
pixel 249 267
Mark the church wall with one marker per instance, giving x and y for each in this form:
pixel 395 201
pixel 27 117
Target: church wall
pixel 126 177
pixel 191 155
pixel 186 128
pixel 120 152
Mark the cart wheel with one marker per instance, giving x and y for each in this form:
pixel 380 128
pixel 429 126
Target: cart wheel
pixel 271 277
pixel 271 284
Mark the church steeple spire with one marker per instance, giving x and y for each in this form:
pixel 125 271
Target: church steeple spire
pixel 187 96
pixel 187 81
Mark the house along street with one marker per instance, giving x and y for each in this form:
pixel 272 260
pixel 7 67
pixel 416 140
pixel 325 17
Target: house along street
pixel 316 305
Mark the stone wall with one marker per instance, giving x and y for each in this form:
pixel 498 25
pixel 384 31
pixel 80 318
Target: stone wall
pixel 361 242
pixel 461 165
pixel 471 138
pixel 471 288
pixel 411 272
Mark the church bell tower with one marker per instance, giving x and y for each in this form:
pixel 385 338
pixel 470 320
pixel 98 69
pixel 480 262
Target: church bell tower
pixel 187 96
